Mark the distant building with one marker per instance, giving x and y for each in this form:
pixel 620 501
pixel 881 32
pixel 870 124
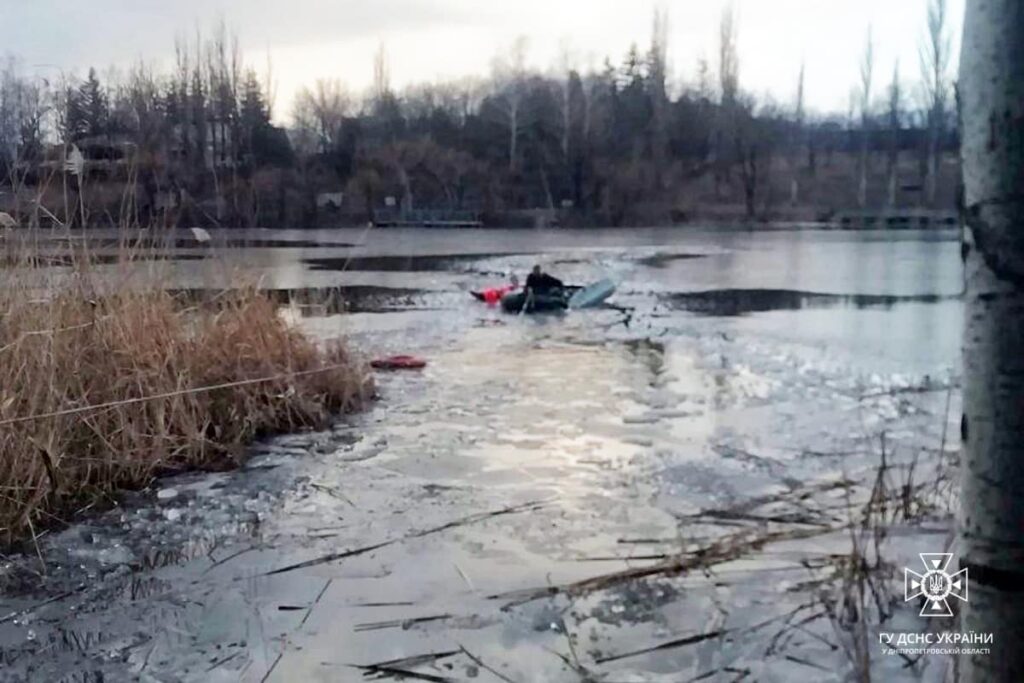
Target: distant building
pixel 330 200
pixel 100 156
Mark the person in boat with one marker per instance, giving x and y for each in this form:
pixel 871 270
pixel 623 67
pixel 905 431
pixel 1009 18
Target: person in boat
pixel 542 292
pixel 493 295
pixel 539 282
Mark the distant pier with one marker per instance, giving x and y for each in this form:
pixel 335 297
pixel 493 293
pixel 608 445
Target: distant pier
pixel 428 218
pixel 895 219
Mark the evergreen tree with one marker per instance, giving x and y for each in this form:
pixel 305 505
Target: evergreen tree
pixel 93 107
pixel 261 143
pixel 74 126
pixel 253 113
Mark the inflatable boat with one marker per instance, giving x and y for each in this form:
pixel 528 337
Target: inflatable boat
pixel 559 299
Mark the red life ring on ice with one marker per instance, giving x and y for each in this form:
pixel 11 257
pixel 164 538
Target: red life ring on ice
pixel 399 363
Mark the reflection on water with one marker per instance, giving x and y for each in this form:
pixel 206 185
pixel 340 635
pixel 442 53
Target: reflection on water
pixel 408 263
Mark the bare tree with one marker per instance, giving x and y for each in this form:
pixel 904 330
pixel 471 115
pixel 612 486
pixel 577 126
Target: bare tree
pixel 223 76
pixel 33 111
pixel 270 86
pixel 728 57
pixel 657 57
pixel 728 81
pixel 748 154
pixel 566 69
pixel 510 80
pixel 200 92
pixel 895 125
pixel 935 56
pixel 319 113
pixel 797 137
pixel 867 70
pixel 381 74
pixel 657 76
pixel 991 543
pixel 179 101
pixel 705 84
pixel 9 114
pixel 459 99
pixel 754 145
pixel 403 158
pixel 23 110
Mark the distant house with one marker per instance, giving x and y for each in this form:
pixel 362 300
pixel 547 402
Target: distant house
pixel 330 200
pixel 102 156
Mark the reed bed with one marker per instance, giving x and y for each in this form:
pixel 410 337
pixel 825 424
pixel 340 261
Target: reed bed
pixel 105 386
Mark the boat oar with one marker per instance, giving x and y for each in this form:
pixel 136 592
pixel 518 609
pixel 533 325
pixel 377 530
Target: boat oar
pixel 527 301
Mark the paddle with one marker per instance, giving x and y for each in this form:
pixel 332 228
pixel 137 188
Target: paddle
pixel 527 301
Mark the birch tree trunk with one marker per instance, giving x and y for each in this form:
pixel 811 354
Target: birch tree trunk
pixel 991 524
pixel 513 132
pixel 403 178
pixel 566 116
pixel 932 183
pixel 867 69
pixel 895 105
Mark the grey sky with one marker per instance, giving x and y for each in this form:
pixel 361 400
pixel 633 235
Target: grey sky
pixel 430 39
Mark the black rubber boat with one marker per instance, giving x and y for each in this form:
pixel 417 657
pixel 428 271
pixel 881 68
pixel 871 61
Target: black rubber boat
pixel 516 302
pixel 559 299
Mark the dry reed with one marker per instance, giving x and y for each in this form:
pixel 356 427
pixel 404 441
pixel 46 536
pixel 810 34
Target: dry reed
pixel 78 341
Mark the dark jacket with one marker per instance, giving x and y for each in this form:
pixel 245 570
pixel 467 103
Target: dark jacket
pixel 543 283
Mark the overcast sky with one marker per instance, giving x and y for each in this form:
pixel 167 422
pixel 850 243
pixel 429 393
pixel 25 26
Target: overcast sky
pixel 432 39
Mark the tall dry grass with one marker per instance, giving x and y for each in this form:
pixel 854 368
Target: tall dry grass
pixel 79 340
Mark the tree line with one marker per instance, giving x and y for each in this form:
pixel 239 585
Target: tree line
pixel 617 144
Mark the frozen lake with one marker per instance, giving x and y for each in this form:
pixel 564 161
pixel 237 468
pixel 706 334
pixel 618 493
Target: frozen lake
pixel 467 526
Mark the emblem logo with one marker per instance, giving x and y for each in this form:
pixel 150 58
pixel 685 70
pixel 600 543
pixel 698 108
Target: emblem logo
pixel 937 585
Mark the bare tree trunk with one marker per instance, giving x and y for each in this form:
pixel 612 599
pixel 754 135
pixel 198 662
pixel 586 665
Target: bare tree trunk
pixel 513 133
pixel 747 153
pixel 931 185
pixel 566 117
pixel 895 105
pixel 935 55
pixel 991 534
pixel 797 140
pixel 862 182
pixel 547 187
pixel 403 177
pixel 867 69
